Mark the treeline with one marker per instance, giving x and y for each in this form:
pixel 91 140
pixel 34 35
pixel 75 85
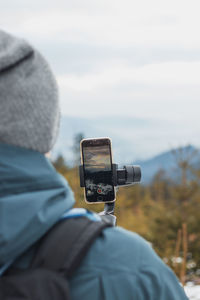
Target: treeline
pixel 165 212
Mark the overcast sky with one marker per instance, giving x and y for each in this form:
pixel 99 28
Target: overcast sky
pixel 122 57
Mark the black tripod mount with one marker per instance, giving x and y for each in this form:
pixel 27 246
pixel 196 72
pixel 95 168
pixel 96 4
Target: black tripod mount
pixel 128 175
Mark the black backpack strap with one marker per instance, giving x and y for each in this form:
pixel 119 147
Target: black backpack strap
pixel 65 245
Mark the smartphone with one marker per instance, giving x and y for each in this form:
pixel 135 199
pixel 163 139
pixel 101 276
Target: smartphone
pixel 96 158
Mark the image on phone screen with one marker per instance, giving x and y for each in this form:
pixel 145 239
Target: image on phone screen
pixel 97 165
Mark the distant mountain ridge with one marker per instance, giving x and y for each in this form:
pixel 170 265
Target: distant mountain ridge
pixel 166 161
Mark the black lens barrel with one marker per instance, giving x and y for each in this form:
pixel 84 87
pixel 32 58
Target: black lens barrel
pixel 128 175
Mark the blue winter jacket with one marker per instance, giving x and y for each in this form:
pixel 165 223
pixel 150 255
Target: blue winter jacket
pixel 120 265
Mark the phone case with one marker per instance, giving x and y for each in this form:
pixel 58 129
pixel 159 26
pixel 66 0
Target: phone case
pixel 88 139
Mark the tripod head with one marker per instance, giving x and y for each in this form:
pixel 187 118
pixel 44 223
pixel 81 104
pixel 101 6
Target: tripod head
pixel 126 176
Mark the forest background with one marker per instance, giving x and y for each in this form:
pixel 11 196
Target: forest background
pixel 165 212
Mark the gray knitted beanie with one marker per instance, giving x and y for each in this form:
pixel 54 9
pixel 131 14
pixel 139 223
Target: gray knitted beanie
pixel 29 107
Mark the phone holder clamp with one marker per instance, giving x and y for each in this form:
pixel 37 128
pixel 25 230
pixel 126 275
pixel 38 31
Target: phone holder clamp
pixel 128 175
pixel 121 177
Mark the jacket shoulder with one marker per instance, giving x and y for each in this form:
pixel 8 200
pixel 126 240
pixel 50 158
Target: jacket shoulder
pixel 123 263
pixel 120 249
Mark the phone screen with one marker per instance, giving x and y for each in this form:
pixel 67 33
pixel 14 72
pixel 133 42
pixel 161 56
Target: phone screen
pixel 98 173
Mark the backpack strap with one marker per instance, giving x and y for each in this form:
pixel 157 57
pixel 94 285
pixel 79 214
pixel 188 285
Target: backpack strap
pixel 65 245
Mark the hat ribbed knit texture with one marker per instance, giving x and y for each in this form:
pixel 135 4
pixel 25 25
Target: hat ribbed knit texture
pixel 29 106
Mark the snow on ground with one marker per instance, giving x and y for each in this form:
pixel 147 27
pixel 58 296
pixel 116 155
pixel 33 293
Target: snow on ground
pixel 193 292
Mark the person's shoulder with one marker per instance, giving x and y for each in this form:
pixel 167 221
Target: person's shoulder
pixel 130 244
pixel 123 263
pixel 121 250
